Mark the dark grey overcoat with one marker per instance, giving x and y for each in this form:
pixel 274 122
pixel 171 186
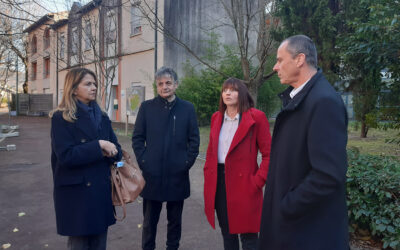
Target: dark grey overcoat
pixel 305 197
pixel 166 143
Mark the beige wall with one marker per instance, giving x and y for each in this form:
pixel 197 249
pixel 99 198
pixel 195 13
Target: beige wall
pixel 93 17
pixel 136 70
pixel 41 84
pixel 62 64
pixel 138 42
pixel 136 65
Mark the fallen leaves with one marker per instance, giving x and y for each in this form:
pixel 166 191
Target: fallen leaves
pixel 5 246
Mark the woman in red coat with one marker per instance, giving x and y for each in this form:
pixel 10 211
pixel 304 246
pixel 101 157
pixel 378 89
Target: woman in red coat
pixel 233 181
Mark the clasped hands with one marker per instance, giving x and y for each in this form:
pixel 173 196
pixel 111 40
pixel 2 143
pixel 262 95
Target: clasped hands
pixel 108 148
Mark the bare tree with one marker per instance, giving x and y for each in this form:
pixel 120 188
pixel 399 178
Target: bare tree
pixel 251 22
pixel 15 17
pixel 100 45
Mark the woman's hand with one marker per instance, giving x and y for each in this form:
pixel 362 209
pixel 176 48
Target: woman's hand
pixel 108 148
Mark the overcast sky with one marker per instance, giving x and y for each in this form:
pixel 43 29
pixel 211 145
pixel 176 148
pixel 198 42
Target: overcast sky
pixel 59 5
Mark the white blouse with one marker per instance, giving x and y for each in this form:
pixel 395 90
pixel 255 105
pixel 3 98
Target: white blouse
pixel 228 130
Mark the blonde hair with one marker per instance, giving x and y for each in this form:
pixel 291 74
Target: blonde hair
pixel 68 102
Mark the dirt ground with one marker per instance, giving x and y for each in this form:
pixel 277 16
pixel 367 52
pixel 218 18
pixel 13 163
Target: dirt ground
pixel 27 220
pixel 26 187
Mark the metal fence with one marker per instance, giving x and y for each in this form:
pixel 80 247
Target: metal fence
pixel 33 104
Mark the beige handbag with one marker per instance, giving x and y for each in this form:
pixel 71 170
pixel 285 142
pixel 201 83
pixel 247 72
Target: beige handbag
pixel 127 183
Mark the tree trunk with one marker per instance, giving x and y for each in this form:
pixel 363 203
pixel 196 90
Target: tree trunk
pixel 25 85
pixel 253 90
pixel 364 129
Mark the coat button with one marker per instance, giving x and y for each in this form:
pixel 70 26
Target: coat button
pixel 83 140
pixel 240 175
pixel 88 184
pixel 143 161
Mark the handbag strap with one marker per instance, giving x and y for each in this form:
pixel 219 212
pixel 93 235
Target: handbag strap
pixel 126 156
pixel 117 189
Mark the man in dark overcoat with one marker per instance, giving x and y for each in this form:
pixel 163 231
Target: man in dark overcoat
pixel 166 143
pixel 305 198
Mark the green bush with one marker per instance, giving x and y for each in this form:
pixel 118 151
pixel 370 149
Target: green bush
pixel 203 93
pixel 268 100
pixel 373 192
pixel 203 88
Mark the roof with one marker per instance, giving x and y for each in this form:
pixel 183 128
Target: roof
pixel 39 22
pixel 60 16
pixel 89 6
pixel 59 24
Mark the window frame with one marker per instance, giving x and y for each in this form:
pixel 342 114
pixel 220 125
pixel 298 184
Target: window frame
pixel 46 38
pixel 34 45
pixel 88 35
pixel 46 67
pixel 34 71
pixel 74 41
pixel 109 20
pixel 62 45
pixel 135 22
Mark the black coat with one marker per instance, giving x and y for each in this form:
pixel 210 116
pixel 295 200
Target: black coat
pixel 81 174
pixel 305 201
pixel 166 143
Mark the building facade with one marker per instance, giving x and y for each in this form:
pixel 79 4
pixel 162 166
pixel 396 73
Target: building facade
pixel 116 40
pixel 109 37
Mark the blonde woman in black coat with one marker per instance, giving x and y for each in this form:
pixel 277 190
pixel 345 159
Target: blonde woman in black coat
pixel 83 148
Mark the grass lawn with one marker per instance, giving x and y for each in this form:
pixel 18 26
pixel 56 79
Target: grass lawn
pixel 374 143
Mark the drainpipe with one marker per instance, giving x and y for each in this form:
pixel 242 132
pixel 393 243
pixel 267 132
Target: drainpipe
pixel 16 89
pixel 57 68
pixel 155 37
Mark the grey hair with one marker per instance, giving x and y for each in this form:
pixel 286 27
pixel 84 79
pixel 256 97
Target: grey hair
pixel 302 44
pixel 165 71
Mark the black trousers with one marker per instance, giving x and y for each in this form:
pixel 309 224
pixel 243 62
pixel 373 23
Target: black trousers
pixel 88 242
pixel 151 214
pixel 231 241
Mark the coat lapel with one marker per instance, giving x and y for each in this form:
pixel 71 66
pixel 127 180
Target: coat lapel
pixel 245 124
pixel 84 124
pixel 216 131
pixel 291 104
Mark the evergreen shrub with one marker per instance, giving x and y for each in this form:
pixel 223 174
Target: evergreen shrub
pixel 373 196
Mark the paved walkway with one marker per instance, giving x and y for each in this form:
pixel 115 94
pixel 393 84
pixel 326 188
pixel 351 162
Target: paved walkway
pixel 26 187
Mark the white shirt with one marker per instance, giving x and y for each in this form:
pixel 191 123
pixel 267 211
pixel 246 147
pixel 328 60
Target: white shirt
pixel 228 130
pixel 297 90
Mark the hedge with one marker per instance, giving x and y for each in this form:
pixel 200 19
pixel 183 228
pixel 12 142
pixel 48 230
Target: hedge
pixel 373 192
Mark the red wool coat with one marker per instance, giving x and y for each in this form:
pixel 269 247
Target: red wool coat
pixel 243 177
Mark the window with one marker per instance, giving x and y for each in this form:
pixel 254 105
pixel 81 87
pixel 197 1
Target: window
pixel 88 35
pixel 136 27
pixel 46 67
pixel 34 44
pixel 46 38
pixel 34 70
pixel 111 27
pixel 74 41
pixel 62 45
